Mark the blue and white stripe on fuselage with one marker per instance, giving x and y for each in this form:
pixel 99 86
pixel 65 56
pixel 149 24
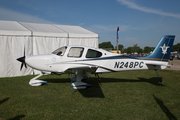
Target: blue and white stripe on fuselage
pixel 115 65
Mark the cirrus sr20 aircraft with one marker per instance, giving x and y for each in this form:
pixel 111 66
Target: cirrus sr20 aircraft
pixel 81 60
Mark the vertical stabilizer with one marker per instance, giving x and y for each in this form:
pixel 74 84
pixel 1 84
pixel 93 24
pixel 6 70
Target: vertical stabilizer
pixel 163 49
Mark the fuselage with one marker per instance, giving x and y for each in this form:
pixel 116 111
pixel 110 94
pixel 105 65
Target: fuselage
pixel 82 57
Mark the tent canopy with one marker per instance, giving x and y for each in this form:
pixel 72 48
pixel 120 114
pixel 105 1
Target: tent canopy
pixel 13 28
pixel 50 30
pixel 44 30
pixel 76 31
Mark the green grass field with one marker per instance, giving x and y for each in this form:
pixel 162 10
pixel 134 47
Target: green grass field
pixel 176 58
pixel 126 95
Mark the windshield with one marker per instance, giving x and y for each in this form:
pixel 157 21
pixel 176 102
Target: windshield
pixel 60 51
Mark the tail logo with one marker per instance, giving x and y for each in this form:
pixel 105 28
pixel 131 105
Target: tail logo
pixel 164 49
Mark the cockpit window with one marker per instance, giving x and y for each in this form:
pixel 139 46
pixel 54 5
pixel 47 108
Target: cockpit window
pixel 60 51
pixel 76 52
pixel 93 54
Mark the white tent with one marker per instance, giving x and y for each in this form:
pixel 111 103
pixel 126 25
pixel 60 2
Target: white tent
pixel 34 39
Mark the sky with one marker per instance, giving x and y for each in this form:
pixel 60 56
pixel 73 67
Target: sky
pixel 142 22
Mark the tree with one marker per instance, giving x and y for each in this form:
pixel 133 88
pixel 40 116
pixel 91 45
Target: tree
pixel 128 50
pixel 120 47
pixel 176 48
pixel 135 48
pixel 148 49
pixel 140 51
pixel 106 45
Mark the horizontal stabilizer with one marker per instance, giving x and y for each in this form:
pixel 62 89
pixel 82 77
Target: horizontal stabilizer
pixel 157 64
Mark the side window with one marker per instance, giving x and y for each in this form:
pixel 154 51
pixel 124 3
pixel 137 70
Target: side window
pixel 93 54
pixel 75 52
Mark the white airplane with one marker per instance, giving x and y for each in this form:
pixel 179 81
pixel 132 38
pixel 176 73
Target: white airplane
pixel 80 60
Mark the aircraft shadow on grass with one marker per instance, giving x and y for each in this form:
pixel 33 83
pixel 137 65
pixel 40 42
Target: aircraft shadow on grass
pixel 4 100
pixel 165 109
pixel 96 91
pixel 19 117
pixel 16 117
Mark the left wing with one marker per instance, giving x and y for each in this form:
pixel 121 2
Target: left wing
pixel 86 68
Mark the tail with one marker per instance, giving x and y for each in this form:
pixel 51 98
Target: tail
pixel 163 49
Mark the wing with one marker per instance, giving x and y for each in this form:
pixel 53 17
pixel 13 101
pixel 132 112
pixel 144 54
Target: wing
pixel 85 68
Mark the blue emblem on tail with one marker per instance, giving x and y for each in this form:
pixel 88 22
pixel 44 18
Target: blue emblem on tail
pixel 164 49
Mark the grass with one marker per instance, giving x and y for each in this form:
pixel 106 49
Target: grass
pixel 176 58
pixel 121 95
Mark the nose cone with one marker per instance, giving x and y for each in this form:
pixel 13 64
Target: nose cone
pixel 21 59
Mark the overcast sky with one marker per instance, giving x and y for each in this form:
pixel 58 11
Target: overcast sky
pixel 141 22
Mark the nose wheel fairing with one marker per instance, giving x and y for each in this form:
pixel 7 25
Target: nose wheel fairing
pixel 35 82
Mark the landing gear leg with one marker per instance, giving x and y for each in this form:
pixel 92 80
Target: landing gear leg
pixel 77 78
pixel 98 76
pixel 158 77
pixel 35 82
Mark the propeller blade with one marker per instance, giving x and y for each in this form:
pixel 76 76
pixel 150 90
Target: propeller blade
pixel 21 66
pixel 22 59
pixel 24 51
pixel 25 65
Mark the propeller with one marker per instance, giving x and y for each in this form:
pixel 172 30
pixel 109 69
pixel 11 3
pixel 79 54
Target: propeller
pixel 22 59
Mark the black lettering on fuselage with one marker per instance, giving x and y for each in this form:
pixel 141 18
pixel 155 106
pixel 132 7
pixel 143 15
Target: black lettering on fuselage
pixel 128 64
pixel 140 64
pixel 136 64
pixel 116 65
